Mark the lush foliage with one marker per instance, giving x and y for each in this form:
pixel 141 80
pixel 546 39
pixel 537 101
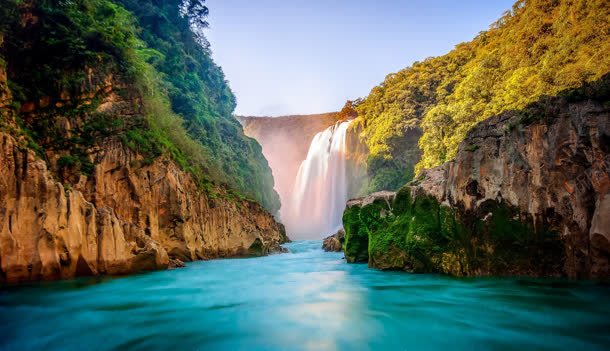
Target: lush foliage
pixel 158 48
pixel 540 47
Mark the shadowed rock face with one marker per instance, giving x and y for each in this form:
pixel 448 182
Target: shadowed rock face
pixel 119 220
pixel 527 194
pixel 555 171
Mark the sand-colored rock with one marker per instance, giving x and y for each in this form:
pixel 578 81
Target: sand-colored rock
pixel 334 243
pixel 121 219
pixel 386 196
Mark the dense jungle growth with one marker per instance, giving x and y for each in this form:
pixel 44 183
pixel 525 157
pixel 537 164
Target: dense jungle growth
pixel 417 117
pixel 153 53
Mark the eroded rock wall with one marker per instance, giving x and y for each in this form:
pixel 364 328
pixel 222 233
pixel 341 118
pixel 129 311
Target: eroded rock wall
pixel 84 190
pixel 555 171
pixel 527 194
pixel 120 220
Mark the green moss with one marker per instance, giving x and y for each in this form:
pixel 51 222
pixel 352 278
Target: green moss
pixel 67 161
pixel 32 145
pixel 511 243
pixel 422 235
pixel 78 163
pixel 356 236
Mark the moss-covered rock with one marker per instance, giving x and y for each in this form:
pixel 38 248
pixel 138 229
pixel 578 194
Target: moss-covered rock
pixel 362 217
pixel 530 199
pixel 416 233
pixel 356 237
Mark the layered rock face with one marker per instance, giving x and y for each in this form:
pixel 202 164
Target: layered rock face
pixel 85 187
pixel 121 219
pixel 129 214
pixel 527 194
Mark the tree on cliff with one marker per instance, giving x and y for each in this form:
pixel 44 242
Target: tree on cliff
pixel 349 109
pixel 197 13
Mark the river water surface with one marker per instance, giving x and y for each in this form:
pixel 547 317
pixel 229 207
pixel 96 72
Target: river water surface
pixel 304 300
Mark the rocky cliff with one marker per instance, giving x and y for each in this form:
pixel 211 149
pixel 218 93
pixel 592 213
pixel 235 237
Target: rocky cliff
pixel 527 194
pixel 120 220
pixel 98 174
pixel 128 213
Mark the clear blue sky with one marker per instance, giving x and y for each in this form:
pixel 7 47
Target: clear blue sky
pixel 296 57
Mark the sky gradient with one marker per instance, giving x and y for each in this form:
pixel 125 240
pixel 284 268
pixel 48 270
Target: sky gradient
pixel 298 57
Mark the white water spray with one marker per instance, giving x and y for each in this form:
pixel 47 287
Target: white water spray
pixel 320 191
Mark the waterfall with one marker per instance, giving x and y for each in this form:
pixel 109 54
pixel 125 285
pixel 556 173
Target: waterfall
pixel 320 190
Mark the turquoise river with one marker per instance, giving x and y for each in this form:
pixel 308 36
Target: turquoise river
pixel 304 300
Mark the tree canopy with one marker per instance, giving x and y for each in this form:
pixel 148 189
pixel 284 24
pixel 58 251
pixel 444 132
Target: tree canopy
pixel 539 47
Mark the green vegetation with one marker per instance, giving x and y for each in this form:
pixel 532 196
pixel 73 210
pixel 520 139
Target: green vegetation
pixel 356 236
pixel 538 48
pixel 419 234
pixel 155 55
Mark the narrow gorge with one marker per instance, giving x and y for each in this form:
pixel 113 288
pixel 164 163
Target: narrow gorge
pixel 151 199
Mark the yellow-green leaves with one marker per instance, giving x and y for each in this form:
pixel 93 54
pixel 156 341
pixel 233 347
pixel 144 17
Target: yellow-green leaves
pixel 539 48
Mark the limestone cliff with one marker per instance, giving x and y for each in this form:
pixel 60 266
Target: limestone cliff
pixel 121 219
pixel 527 194
pixel 86 189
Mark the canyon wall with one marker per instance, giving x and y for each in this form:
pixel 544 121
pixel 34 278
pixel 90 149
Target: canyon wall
pixel 528 193
pixel 80 194
pixel 121 219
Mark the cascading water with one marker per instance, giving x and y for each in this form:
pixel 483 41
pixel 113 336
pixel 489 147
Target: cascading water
pixel 320 190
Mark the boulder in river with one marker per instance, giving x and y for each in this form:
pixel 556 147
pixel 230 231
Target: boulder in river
pixel 334 242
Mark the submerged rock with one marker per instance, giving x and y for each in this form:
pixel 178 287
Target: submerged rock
pixel 334 242
pixel 175 263
pixel 277 249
